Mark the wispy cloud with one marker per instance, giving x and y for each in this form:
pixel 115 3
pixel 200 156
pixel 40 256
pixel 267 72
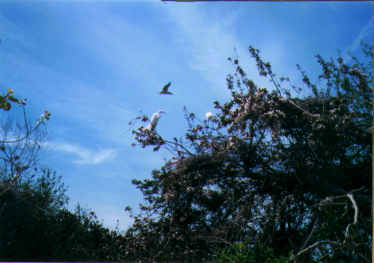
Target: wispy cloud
pixel 365 32
pixel 85 156
pixel 211 41
pixel 209 44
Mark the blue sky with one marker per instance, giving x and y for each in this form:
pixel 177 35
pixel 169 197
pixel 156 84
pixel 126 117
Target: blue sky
pixel 95 66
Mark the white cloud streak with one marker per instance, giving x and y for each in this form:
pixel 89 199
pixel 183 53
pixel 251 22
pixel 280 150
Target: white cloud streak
pixel 209 43
pixel 85 156
pixel 365 32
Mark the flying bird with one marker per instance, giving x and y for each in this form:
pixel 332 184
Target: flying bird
pixel 165 89
pixel 154 120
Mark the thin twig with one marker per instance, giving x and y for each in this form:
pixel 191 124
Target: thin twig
pixel 310 234
pixel 314 245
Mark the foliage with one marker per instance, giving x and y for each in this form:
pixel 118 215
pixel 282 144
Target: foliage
pixel 29 231
pixel 19 145
pixel 25 214
pixel 80 236
pixel 34 223
pixel 288 174
pixel 241 252
pixel 8 98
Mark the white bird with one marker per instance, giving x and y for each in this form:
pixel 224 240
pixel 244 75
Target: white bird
pixel 154 120
pixel 209 116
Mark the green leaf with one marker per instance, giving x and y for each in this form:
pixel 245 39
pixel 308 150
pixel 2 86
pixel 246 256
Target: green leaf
pixel 6 106
pixel 14 99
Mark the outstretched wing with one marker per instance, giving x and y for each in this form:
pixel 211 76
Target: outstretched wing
pixel 167 86
pixel 165 89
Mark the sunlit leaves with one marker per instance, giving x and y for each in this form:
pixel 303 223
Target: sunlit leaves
pixel 5 101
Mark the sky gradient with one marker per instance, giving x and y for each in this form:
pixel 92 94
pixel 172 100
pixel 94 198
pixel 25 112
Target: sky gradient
pixel 95 66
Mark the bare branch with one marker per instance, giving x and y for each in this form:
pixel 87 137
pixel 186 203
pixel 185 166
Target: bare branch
pixel 313 246
pixel 350 196
pixel 310 234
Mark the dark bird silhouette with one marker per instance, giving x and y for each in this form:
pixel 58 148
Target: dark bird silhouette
pixel 165 90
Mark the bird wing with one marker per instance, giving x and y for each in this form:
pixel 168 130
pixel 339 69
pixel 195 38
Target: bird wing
pixel 167 85
pixel 165 89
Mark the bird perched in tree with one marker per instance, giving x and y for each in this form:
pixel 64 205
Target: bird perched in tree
pixel 209 116
pixel 165 90
pixel 154 120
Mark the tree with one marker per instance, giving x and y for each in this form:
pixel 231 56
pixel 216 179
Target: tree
pixel 80 236
pixel 19 177
pixel 34 222
pixel 271 170
pixel 19 143
pixel 25 216
pixel 29 231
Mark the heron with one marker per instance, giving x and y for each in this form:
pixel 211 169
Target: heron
pixel 154 120
pixel 209 116
pixel 165 90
